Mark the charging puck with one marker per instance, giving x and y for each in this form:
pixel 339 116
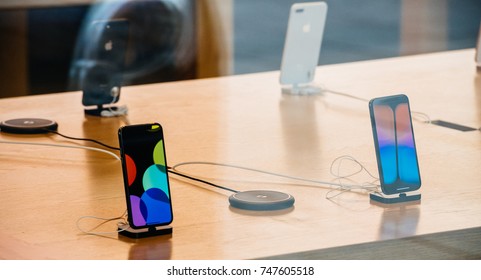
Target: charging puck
pixel 28 126
pixel 261 200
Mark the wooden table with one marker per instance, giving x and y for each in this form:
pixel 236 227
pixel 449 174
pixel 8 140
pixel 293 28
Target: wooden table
pixel 245 120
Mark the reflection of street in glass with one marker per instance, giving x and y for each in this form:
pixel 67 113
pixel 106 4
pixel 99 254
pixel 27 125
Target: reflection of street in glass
pixel 147 41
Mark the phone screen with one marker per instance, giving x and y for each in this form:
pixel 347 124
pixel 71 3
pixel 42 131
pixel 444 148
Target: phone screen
pixel 394 144
pixel 146 181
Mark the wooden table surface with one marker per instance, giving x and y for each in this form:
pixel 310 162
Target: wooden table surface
pixel 246 120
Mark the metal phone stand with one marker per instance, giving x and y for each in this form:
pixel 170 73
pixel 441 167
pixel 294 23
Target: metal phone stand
pixel 304 89
pixel 97 111
pixel 125 230
pixel 396 198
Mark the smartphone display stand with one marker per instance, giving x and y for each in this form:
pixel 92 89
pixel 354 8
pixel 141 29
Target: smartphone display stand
pixel 102 111
pixel 304 89
pixel 125 230
pixel 396 198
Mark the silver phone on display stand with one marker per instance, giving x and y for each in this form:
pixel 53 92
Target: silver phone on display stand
pixel 302 46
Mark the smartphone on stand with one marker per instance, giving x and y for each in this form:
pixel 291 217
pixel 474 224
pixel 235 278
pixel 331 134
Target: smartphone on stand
pixel 394 144
pixel 146 180
pixel 303 41
pixel 103 68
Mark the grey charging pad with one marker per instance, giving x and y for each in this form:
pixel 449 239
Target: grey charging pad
pixel 261 200
pixel 28 126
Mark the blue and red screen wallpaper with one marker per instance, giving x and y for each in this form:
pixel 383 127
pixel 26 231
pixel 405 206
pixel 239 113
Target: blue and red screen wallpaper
pixel 397 158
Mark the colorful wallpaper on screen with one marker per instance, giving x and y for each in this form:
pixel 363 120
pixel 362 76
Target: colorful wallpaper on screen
pixel 150 198
pixel 396 144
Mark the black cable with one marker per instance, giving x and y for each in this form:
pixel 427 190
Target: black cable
pixel 83 139
pixel 169 169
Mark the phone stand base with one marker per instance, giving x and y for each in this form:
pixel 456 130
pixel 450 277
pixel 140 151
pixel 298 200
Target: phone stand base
pixel 111 111
pixel 125 230
pixel 301 90
pixel 392 199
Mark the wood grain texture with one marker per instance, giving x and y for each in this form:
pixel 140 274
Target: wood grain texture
pixel 245 120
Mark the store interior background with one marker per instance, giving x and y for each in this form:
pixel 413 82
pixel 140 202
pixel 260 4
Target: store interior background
pixel 252 39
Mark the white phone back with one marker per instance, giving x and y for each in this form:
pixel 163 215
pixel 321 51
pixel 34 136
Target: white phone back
pixel 303 42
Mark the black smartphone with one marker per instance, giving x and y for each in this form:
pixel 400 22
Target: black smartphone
pixel 146 181
pixel 104 65
pixel 394 144
pixel 111 38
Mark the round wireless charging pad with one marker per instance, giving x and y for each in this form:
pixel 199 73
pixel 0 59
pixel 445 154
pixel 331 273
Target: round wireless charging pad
pixel 28 126
pixel 261 200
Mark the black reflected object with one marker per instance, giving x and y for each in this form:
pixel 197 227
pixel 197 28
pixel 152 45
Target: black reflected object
pixel 101 83
pixel 453 125
pixel 28 126
pixel 261 200
pixel 99 74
